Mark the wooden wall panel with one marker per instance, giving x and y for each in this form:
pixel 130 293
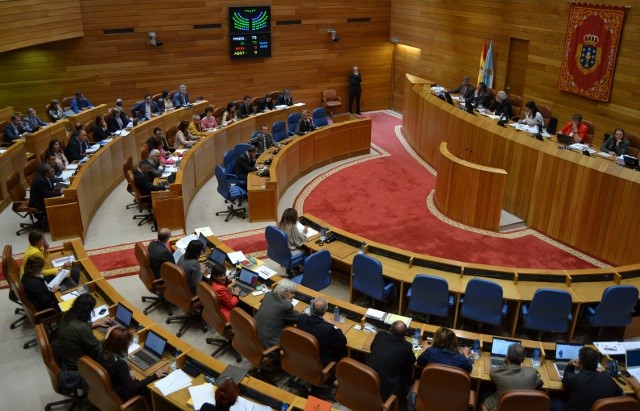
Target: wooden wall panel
pixel 123 65
pixel 449 35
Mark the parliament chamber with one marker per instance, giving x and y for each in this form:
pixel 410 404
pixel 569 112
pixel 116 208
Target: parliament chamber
pixel 584 202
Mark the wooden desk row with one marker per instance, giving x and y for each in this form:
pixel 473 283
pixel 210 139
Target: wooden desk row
pixel 586 202
pixel 518 284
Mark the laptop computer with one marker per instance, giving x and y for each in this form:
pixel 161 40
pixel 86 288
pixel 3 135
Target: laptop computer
pixel 499 347
pixel 232 372
pixel 564 139
pixel 632 362
pixel 218 256
pixel 565 352
pixel 630 161
pixel 151 353
pixel 123 318
pixel 67 284
pixel 247 281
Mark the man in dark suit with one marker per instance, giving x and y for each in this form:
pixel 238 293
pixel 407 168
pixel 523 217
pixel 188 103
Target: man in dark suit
pixel 285 99
pixel 464 90
pixel 263 140
pixel 14 129
pixel 43 187
pixel 502 107
pixel 159 251
pixel 77 147
pixel 145 109
pixel 245 109
pixel 482 98
pixel 118 121
pixel 275 312
pixel 586 386
pixel 245 164
pixel 355 89
pixel 512 376
pixel 181 98
pixel 144 180
pixel 333 343
pixel 32 122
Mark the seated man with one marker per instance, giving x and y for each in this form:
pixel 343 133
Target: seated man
pixel 245 164
pixel 156 167
pixel 616 144
pixel 144 179
pixel 285 99
pixel 502 107
pixel 305 124
pixel 181 98
pixel 118 121
pixel 157 140
pixel 194 127
pixel 576 129
pixel 333 343
pixel 77 147
pixel 80 103
pixel 50 158
pixel 245 109
pixel 160 251
pixel 512 376
pixel 14 129
pixel 275 312
pixel 145 109
pixel 481 98
pixel 43 187
pixel 263 140
pixel 464 90
pixel 266 104
pixel 31 122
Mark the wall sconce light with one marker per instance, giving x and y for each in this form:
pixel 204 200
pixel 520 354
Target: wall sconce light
pixel 153 40
pixel 334 35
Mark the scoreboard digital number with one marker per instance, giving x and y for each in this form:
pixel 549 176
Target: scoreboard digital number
pixel 250 32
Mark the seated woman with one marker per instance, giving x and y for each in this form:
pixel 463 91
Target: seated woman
pixel 99 129
pixel 532 117
pixel 190 264
pixel 227 297
pixel 35 286
pixel 445 350
pixel 230 114
pixel 56 148
pixel 55 111
pixel 164 102
pixel 226 396
pixel 288 224
pixel 208 122
pixel 183 138
pixel 266 103
pixel 112 359
pixel 576 129
pixel 616 144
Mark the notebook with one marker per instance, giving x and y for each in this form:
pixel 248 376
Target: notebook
pixel 565 352
pixel 632 362
pixel 564 139
pixel 151 353
pixel 499 347
pixel 123 318
pixel 247 281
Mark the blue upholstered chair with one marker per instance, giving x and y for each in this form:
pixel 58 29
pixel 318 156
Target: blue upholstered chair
pixel 317 271
pixel 292 122
pixel 319 117
pixel 429 295
pixel 228 188
pixel 615 308
pixel 229 161
pixel 549 310
pixel 279 131
pixel 367 278
pixel 483 302
pixel 278 248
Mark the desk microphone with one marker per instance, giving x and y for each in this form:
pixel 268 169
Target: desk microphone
pixel 462 151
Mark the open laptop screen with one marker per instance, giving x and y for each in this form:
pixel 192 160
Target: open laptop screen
pixel 248 277
pixel 567 352
pixel 155 343
pixel 218 256
pixel 500 346
pixel 633 358
pixel 124 315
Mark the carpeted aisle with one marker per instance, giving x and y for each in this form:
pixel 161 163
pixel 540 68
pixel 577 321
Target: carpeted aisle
pixel 385 200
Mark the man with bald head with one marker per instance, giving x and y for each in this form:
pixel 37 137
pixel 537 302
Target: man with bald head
pixel 160 251
pixel 333 343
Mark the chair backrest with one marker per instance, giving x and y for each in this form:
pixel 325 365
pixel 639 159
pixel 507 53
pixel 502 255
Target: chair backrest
pixel 549 310
pixel 329 94
pixel 143 201
pixel 13 278
pixel 100 390
pixel 66 103
pixel 275 95
pixel 430 295
pixel 516 103
pixel 46 110
pixel 277 245
pixel 317 271
pixel 30 169
pixel 443 388
pixel 245 339
pixel 623 403
pixel 616 306
pixel 279 131
pixel 483 301
pixel 224 189
pixel 367 276
pixel 144 151
pixel 217 113
pixel 546 113
pixel 256 101
pixel 319 117
pixel 238 149
pixel 48 356
pixel 9 265
pixel 177 290
pixel 358 386
pixel 591 130
pixel 492 93
pixel 229 161
pixel 127 164
pixel 170 134
pixel 146 273
pixel 211 312
pixel 301 355
pixel 16 191
pixel 292 121
pixel 634 143
pixel 524 400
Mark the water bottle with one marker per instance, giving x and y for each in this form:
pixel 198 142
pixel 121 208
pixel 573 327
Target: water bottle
pixel 323 234
pixel 476 349
pixel 284 407
pixel 361 250
pixel 336 314
pixel 535 358
pixel 416 340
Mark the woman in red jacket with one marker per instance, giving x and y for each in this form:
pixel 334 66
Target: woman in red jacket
pixel 227 297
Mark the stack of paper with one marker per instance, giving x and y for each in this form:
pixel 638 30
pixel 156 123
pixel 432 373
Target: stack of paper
pixel 205 231
pixel 310 231
pixel 201 394
pixel 391 318
pixel 236 256
pixel 265 272
pixel 375 314
pixel 184 241
pixel 59 262
pixel 62 274
pixel 93 149
pixel 173 382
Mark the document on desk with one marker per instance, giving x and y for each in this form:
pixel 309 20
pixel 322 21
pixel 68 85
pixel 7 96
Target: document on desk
pixel 391 318
pixel 202 393
pixel 66 175
pixel 236 256
pixel 95 314
pixel 94 148
pixel 173 382
pixel 184 241
pixel 310 231
pixel 205 231
pixel 57 280
pixel 59 262
pixel 265 272
pixel 72 166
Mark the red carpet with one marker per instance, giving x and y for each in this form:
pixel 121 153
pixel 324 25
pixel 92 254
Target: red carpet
pixel 385 199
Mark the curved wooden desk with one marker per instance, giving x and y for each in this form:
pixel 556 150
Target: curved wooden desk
pixel 469 193
pixel 588 203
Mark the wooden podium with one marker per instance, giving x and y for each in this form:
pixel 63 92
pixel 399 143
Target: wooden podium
pixel 469 193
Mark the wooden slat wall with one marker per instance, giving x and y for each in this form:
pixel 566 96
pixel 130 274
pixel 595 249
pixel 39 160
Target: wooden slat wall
pixel 450 34
pixel 123 65
pixel 26 23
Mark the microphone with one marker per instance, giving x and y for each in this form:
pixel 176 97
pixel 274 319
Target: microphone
pixel 462 151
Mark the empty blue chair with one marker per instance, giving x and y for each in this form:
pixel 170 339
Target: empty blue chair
pixel 615 308
pixel 229 161
pixel 483 302
pixel 317 271
pixel 319 117
pixel 278 248
pixel 429 295
pixel 279 131
pixel 549 310
pixel 228 188
pixel 292 121
pixel 367 278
